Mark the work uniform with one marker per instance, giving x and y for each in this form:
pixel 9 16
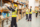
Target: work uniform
pixel 36 12
pixel 13 22
pixel 30 15
pixel 27 14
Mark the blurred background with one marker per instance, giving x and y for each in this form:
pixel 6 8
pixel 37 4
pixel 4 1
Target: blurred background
pixel 28 13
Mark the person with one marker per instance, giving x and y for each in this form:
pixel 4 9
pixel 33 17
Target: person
pixel 27 12
pixel 30 14
pixel 36 12
pixel 14 11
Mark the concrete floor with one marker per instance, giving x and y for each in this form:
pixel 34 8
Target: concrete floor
pixel 24 23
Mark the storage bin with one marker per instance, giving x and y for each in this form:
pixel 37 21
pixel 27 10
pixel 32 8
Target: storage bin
pixel 4 15
pixel 7 14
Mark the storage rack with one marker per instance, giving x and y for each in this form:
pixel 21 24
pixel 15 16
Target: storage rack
pixel 39 7
pixel 18 7
pixel 19 15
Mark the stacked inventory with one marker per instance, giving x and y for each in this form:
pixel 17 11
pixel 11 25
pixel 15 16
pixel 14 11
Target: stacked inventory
pixel 39 7
pixel 20 7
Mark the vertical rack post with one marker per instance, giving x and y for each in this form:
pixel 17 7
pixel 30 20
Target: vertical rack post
pixel 1 3
pixel 1 6
pixel 21 14
pixel 12 3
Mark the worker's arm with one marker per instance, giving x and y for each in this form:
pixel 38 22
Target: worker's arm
pixel 9 8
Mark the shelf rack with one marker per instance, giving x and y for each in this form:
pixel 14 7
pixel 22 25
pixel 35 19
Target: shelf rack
pixel 20 16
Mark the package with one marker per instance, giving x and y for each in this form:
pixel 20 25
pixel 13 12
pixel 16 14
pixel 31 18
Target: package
pixel 20 7
pixel 7 14
pixel 4 15
pixel 24 5
pixel 4 7
pixel 15 0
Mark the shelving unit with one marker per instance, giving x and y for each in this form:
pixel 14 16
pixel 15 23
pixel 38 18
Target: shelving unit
pixel 39 7
pixel 21 11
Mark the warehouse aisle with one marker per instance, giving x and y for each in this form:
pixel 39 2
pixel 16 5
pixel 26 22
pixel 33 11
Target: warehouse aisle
pixel 35 21
pixel 24 23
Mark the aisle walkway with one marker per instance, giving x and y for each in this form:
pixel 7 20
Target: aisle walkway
pixel 35 21
pixel 24 23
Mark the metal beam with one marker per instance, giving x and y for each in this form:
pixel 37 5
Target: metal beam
pixel 1 3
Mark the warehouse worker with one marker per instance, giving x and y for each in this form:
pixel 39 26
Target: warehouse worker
pixel 36 12
pixel 14 11
pixel 30 14
pixel 27 12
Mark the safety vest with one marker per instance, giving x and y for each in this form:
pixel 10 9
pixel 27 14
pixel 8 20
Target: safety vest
pixel 35 11
pixel 27 11
pixel 14 13
pixel 30 12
